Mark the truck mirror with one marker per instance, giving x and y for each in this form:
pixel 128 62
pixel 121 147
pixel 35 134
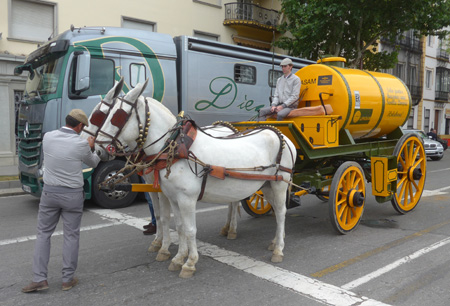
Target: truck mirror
pixel 82 72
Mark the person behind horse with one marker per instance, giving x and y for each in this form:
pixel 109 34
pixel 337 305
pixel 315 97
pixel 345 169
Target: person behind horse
pixel 150 228
pixel 62 196
pixel 286 93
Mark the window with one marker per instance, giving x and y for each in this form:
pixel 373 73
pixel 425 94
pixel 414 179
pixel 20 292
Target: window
pixel 137 74
pixel 400 71
pixel 442 79
pixel 138 24
pixel 426 124
pixel 245 74
pixel 428 78
pixel 204 35
pixel 33 21
pixel 101 77
pixel 273 77
pixel 410 124
pixel 430 40
pixel 412 75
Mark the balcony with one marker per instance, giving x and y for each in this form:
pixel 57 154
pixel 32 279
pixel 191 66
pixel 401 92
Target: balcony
pixel 254 24
pixel 441 95
pixel 442 55
pixel 416 93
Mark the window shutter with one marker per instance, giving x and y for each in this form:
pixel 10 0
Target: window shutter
pixel 31 21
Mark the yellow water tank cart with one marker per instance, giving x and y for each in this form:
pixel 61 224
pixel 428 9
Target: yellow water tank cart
pixel 372 104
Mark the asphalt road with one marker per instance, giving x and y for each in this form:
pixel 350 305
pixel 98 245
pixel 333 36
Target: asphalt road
pixel 389 258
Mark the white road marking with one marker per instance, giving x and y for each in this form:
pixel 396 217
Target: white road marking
pixel 56 233
pixel 439 170
pixel 435 192
pixel 308 287
pixel 362 280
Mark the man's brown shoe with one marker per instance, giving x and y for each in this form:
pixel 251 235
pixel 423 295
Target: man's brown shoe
pixel 148 225
pixel 70 285
pixel 33 286
pixel 151 229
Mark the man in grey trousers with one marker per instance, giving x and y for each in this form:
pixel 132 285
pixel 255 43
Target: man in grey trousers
pixel 62 196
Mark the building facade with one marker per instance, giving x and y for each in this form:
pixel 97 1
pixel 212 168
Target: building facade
pixel 25 24
pixel 423 64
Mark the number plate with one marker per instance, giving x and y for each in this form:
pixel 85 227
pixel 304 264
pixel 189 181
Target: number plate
pixel 26 188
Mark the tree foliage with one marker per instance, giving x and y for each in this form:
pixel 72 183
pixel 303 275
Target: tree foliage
pixel 352 28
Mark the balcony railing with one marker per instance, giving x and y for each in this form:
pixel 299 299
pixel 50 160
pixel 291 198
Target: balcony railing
pixel 442 55
pixel 416 91
pixel 441 95
pixel 252 13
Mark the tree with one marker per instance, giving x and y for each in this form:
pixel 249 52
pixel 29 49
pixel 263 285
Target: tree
pixel 352 28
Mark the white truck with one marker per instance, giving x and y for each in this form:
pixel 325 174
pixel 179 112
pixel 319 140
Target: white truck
pixel 209 80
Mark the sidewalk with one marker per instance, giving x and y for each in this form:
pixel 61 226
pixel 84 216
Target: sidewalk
pixel 9 183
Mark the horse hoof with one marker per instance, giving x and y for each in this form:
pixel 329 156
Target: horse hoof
pixel 224 231
pixel 277 258
pixel 154 248
pixel 271 247
pixel 174 267
pixel 162 256
pixel 231 236
pixel 186 273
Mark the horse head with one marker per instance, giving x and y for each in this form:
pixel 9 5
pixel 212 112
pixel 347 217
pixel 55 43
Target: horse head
pixel 101 111
pixel 121 127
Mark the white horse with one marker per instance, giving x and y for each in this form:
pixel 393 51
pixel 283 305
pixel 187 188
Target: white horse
pixel 160 202
pixel 261 153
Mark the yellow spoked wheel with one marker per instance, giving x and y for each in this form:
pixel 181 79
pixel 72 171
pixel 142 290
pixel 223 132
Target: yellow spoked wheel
pixel 256 205
pixel 411 173
pixel 347 197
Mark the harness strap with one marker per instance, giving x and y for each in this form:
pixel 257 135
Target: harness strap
pixel 222 172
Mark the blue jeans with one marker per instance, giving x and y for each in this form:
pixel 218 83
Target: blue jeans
pixel 150 206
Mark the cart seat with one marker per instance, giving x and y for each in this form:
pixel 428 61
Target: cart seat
pixel 311 111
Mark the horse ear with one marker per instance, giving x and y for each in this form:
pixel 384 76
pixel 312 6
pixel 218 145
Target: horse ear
pixel 134 94
pixel 144 86
pixel 114 92
pixel 119 87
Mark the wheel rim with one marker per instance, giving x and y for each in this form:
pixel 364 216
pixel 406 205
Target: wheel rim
pixel 411 174
pixel 257 204
pixel 347 207
pixel 116 194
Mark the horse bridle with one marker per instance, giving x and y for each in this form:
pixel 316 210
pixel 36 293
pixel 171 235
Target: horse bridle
pixel 119 119
pixel 98 118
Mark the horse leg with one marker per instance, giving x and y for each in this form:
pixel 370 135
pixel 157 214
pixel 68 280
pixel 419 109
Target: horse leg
pixel 164 207
pixel 188 216
pixel 157 242
pixel 178 261
pixel 276 194
pixel 232 231
pixel 226 227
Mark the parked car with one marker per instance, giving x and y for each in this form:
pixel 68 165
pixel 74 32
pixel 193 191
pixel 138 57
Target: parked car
pixel 443 142
pixel 433 148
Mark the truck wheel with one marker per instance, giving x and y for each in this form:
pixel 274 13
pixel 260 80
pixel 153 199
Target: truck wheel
pixel 113 199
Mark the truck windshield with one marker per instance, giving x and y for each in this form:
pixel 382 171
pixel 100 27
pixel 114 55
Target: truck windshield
pixel 43 78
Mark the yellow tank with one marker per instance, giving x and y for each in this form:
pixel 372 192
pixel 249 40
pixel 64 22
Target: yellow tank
pixel 371 104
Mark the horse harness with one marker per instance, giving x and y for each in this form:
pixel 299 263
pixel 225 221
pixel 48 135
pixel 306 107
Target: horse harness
pixel 178 144
pixel 119 119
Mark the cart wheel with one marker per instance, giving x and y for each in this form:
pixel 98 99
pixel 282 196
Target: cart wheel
pixel 411 173
pixel 347 197
pixel 256 206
